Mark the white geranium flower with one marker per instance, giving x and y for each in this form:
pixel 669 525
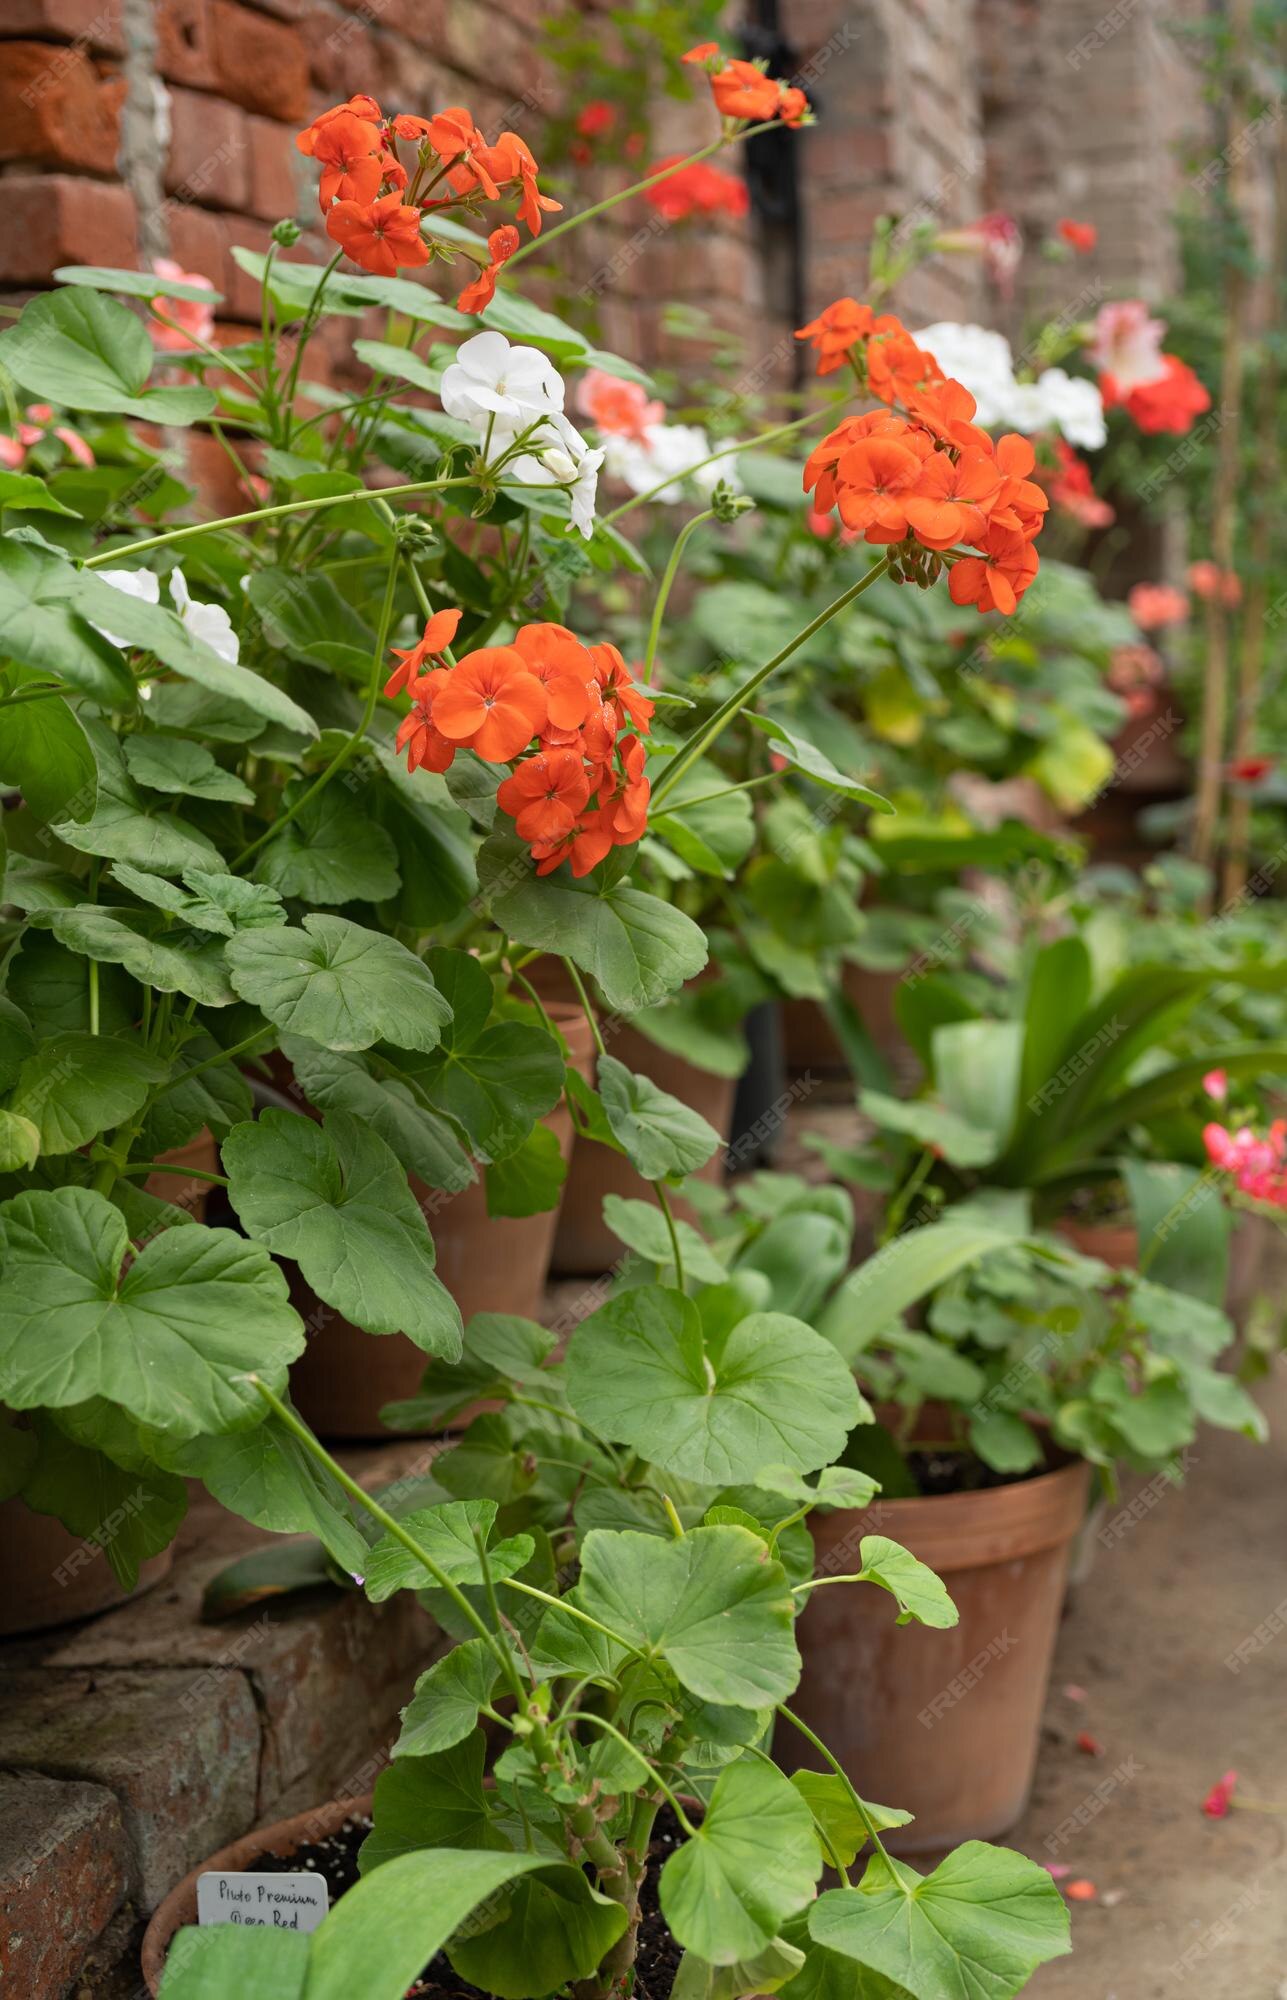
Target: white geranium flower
pixel 671 452
pixel 491 381
pixel 979 359
pixel 1075 406
pixel 140 583
pixel 555 454
pixel 208 622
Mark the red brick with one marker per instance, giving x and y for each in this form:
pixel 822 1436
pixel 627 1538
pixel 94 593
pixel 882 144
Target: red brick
pixel 258 62
pixel 64 1865
pixel 275 182
pixel 52 219
pixel 56 110
pixel 96 24
pixel 209 152
pixel 185 42
pixel 179 1750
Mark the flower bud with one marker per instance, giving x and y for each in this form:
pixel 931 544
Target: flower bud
pixel 286 233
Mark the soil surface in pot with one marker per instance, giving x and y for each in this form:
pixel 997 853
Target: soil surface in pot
pixel 335 1858
pixel 938 1472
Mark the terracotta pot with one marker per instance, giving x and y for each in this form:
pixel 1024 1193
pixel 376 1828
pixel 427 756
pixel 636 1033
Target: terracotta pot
pixel 48 1576
pixel 942 1724
pixel 345 1377
pixel 811 1043
pixel 191 1194
pixel 583 1243
pixel 1114 1243
pixel 282 1838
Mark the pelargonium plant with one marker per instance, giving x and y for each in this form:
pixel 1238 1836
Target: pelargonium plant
pixel 220 863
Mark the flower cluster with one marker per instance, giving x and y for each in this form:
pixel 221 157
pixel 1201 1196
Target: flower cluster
pixel 1158 391
pixel 513 397
pixel 924 482
pixel 37 422
pixel 1258 1166
pixel 567 718
pixel 374 202
pixel 697 189
pixel 742 90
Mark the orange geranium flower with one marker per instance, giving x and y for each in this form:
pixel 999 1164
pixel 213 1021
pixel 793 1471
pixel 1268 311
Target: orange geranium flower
pixel 701 52
pixel 834 332
pixel 491 704
pixel 426 747
pixel 996 579
pixel 618 692
pixel 382 236
pixel 439 632
pixel 510 159
pixel 479 293
pixel 348 149
pixel 545 795
pixel 627 811
pixel 952 499
pixel 874 480
pixel 741 90
pixel 589 843
pixel 820 468
pixel 564 667
pixel 357 107
pixel 1022 504
pixel 896 366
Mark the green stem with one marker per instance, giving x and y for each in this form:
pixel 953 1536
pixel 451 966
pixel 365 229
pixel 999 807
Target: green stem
pixel 664 1205
pixel 611 201
pixel 347 749
pixel 702 738
pixel 726 791
pixel 668 577
pixel 821 1831
pixel 32 694
pixel 586 1007
pixel 272 513
pixel 211 1062
pixel 392 1526
pixel 306 332
pixel 180 1173
pixel 574 1611
pixel 610 1729
pixel 843 1775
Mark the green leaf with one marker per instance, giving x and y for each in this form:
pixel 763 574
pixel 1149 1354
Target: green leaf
pixel 1184 1227
pixel 711 1606
pixel 1005 1442
pixel 334 1197
pixel 767 1972
pixel 815 764
pixel 449 1533
pixel 386 1930
pixel 174 764
pixel 17 1042
pixel 265 1475
pixel 136 284
pixel 529 1181
pixel 637 948
pixel 157 629
pixel 338 984
pixel 255 1964
pixel 42 627
pixel 212 901
pixel 435 1801
pixel 827 1796
pixel 167 964
pixel 661 1136
pixel 443 1710
pixel 19 1142
pixel 85 352
pixel 752 1862
pixel 30 495
pixel 218 1098
pixel 958 1141
pixel 641 1226
pixel 130 1515
pixel 919 1593
pixel 123 827
pixel 332 852
pixel 426 1143
pixel 493 1081
pixel 875 1296
pixel 554 1929
pixel 769 1390
pixel 837 1486
pixel 308 617
pixel 172 1340
pixel 976 1929
pixel 45 754
pixel 76 1086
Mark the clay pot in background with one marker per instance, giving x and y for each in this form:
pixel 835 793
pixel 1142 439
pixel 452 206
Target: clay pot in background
pixel 189 1194
pixel 282 1838
pixel 583 1243
pixel 1114 1243
pixel 811 1043
pixel 48 1576
pixel 345 1377
pixel 942 1724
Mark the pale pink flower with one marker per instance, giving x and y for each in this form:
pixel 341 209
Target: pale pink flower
pixel 620 408
pixel 1216 1085
pixel 193 316
pixel 1127 344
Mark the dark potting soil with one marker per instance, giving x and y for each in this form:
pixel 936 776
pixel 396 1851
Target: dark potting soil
pixel 939 1472
pixel 335 1858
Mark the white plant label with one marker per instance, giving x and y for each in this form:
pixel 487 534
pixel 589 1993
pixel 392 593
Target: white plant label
pixel 262 1902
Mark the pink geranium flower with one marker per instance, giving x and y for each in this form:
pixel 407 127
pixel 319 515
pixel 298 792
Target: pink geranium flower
pixel 194 318
pixel 621 408
pixel 1127 344
pixel 1154 604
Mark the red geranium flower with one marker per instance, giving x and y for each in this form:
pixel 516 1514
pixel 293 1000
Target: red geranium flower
pixel 382 236
pixel 439 632
pixel 545 795
pixel 491 704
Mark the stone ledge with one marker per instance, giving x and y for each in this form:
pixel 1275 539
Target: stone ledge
pixel 145 1739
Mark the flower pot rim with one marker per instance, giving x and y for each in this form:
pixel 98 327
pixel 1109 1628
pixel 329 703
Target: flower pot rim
pixel 281 1837
pixel 956 1531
